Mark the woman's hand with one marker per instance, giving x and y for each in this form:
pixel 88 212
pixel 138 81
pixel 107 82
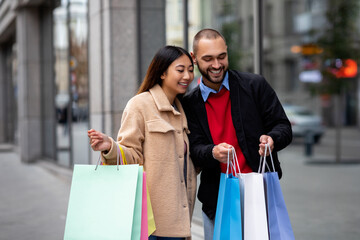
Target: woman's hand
pixel 99 141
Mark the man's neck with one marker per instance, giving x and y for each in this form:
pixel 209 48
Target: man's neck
pixel 215 86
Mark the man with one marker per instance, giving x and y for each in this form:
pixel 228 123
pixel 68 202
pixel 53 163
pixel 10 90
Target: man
pixel 229 109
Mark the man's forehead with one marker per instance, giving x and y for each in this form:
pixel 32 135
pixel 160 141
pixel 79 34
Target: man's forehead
pixel 211 47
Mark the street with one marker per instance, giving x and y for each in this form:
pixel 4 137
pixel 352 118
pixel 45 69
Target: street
pixel 322 197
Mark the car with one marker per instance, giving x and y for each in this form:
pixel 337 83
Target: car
pixel 305 123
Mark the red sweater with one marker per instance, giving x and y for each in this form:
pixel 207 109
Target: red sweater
pixel 218 109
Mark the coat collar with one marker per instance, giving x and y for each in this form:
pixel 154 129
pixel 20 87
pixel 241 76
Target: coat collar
pixel 161 100
pixel 163 104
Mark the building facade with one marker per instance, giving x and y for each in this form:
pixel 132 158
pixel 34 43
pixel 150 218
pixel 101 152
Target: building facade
pixel 26 62
pixel 67 66
pixel 70 65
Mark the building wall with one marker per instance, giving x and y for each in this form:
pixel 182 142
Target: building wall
pixel 29 25
pixel 123 37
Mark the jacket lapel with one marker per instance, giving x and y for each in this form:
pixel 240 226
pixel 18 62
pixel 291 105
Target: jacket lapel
pixel 200 111
pixel 235 102
pixel 237 111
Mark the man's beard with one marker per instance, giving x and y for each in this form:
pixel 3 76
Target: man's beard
pixel 207 76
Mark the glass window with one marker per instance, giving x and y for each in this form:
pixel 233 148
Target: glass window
pixel 71 80
pixel 313 40
pixel 174 22
pixel 297 41
pixel 232 18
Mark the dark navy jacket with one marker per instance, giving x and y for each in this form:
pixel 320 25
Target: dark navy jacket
pixel 255 110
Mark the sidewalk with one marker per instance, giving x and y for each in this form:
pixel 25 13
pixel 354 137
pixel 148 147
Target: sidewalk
pixel 33 200
pixel 322 196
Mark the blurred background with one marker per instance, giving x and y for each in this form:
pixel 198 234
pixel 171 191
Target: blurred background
pixel 70 65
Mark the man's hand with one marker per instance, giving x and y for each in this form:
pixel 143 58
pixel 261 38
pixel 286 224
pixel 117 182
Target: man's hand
pixel 221 151
pixel 265 139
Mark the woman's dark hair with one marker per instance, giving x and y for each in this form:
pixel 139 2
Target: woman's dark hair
pixel 164 57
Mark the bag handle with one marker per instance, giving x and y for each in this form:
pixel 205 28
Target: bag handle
pixel 263 161
pixel 234 163
pixel 118 158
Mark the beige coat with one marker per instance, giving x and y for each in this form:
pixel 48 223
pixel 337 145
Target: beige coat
pixel 152 134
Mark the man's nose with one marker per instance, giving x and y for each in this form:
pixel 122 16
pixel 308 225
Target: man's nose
pixel 216 64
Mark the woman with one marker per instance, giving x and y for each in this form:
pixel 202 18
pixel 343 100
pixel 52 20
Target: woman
pixel 153 133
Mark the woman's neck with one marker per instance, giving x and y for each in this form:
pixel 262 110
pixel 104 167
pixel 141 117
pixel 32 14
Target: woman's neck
pixel 170 96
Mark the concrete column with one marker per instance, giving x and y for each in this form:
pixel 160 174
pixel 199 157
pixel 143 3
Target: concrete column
pixel 47 83
pixel 2 97
pixel 29 84
pixel 7 97
pixel 123 37
pixel 10 105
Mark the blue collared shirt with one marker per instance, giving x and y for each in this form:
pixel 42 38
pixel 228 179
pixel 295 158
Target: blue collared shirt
pixel 205 91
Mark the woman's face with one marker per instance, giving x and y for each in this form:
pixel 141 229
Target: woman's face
pixel 178 76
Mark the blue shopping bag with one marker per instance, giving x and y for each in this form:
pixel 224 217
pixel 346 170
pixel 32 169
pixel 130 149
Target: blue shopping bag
pixel 228 222
pixel 278 217
pixel 220 207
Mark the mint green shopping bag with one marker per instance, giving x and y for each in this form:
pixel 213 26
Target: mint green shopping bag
pixel 103 202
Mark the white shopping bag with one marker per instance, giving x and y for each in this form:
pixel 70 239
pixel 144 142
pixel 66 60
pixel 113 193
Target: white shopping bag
pixel 255 214
pixel 255 218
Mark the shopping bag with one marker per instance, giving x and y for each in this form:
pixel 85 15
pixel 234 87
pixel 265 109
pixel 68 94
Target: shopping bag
pixel 136 227
pixel 105 202
pixel 255 218
pixel 102 202
pixel 255 215
pixel 144 215
pixel 228 219
pixel 278 218
pixel 150 214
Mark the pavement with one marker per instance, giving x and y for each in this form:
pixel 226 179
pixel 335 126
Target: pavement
pixel 322 196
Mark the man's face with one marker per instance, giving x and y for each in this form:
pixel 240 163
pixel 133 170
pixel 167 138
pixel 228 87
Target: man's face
pixel 212 60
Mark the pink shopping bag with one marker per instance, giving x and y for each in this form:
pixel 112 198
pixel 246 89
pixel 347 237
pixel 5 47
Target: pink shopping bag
pixel 144 210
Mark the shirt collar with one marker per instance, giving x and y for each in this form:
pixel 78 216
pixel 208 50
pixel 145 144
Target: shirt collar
pixel 205 90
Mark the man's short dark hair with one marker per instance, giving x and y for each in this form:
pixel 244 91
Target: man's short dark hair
pixel 206 33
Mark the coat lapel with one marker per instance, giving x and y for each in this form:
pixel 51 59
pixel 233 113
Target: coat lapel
pixel 161 101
